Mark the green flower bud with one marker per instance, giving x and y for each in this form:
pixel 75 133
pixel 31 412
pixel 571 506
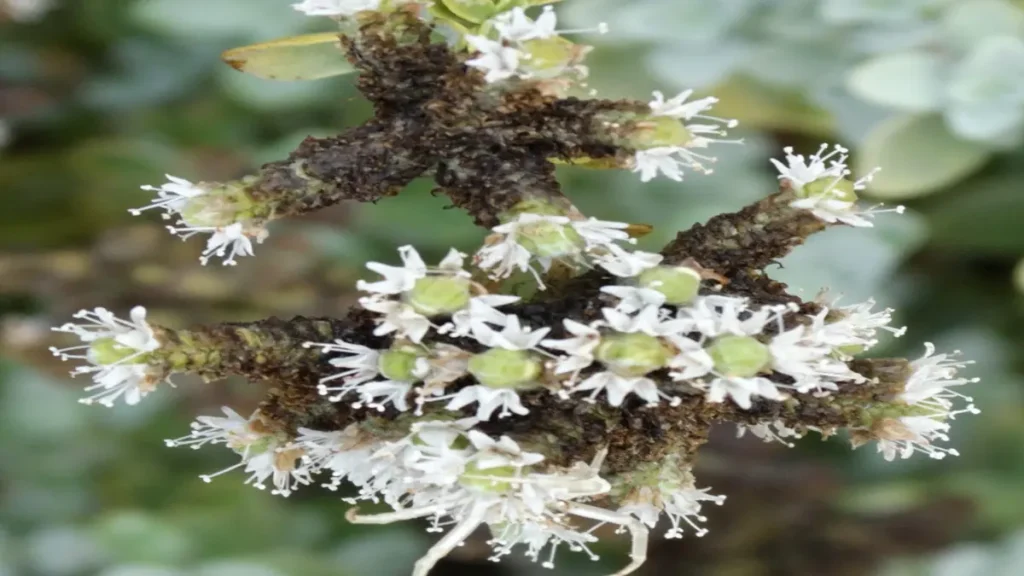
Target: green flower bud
pixel 841 189
pixel 500 368
pixel 679 284
pixel 221 206
pixel 438 295
pixel 491 479
pixel 657 132
pixel 739 356
pixel 398 365
pixel 632 354
pixel 549 240
pixel 553 54
pixel 107 351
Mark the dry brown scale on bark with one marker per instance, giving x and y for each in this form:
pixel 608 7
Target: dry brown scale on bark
pixel 584 403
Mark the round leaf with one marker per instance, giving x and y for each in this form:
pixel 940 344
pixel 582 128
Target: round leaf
pixel 908 81
pixel 918 155
pixel 306 57
pixel 985 217
pixel 966 23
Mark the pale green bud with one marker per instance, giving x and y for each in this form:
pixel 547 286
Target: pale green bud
pixel 490 479
pixel 500 368
pixel 438 295
pixel 739 356
pixel 550 240
pixel 107 351
pixel 679 284
pixel 398 364
pixel 632 354
pixel 658 132
pixel 553 54
pixel 841 189
pixel 218 207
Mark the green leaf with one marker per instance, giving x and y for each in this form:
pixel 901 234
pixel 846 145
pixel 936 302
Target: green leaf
pixel 908 81
pixel 306 57
pixel 966 23
pixel 985 217
pixel 1018 276
pixel 918 155
pixel 475 11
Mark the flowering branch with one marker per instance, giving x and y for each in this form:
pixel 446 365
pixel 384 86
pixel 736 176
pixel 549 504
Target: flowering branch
pixel 454 401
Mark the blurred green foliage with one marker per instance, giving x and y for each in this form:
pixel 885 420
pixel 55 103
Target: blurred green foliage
pixel 99 97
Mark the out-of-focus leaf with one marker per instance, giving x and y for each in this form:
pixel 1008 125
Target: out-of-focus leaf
pixel 1018 276
pixel 918 155
pixel 269 95
pixel 966 23
pixel 985 216
pixel 910 81
pixel 143 538
pixel 757 106
pixel 986 90
pixel 306 57
pixel 191 19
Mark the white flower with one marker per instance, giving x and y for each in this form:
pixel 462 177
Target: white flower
pixel 362 376
pixel 226 242
pixel 627 263
pixel 932 377
pixel 116 351
pixel 513 335
pixel 775 431
pixel 679 108
pixel 482 310
pixel 502 250
pixel 740 390
pixel 580 347
pixel 798 354
pixel 397 317
pixel 396 280
pixel 851 326
pixel 171 197
pixel 831 204
pixel 494 482
pixel 264 454
pixel 490 399
pixel 649 321
pixel 599 233
pixel 633 299
pixel 669 488
pixel 497 61
pixel 910 434
pixel 618 387
pixel 336 8
pixel 516 26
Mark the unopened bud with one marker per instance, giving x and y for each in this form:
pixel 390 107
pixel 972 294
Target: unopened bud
pixel 438 295
pixel 500 368
pixel 739 356
pixel 632 354
pixel 679 284
pixel 399 365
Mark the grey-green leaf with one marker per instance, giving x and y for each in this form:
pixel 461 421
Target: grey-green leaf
pixel 918 155
pixel 907 81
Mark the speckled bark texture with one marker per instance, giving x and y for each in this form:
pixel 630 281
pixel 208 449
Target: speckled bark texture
pixel 433 115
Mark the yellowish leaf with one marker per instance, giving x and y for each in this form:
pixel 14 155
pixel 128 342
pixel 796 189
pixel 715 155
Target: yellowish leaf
pixel 307 57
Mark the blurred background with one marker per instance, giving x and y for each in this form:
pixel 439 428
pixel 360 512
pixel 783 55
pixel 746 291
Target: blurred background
pixel 98 97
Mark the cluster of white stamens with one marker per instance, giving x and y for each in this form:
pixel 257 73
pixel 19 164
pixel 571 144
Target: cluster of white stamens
pixel 116 351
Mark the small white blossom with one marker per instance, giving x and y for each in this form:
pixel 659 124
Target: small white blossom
pixel 396 279
pixel 482 310
pixel 633 299
pixel 265 455
pixel 677 107
pixel 579 348
pixel 489 400
pixel 497 61
pixel 227 242
pixel 831 204
pixel 116 351
pixel 516 26
pixel 671 491
pixel 343 453
pixel 171 197
pixel 361 375
pixel 335 8
pixel 852 326
pixel 602 232
pixel 775 431
pixel 513 335
pixel 627 263
pixel 617 387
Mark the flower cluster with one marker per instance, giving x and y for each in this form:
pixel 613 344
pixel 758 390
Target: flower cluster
pixel 451 399
pixel 116 352
pixel 217 210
